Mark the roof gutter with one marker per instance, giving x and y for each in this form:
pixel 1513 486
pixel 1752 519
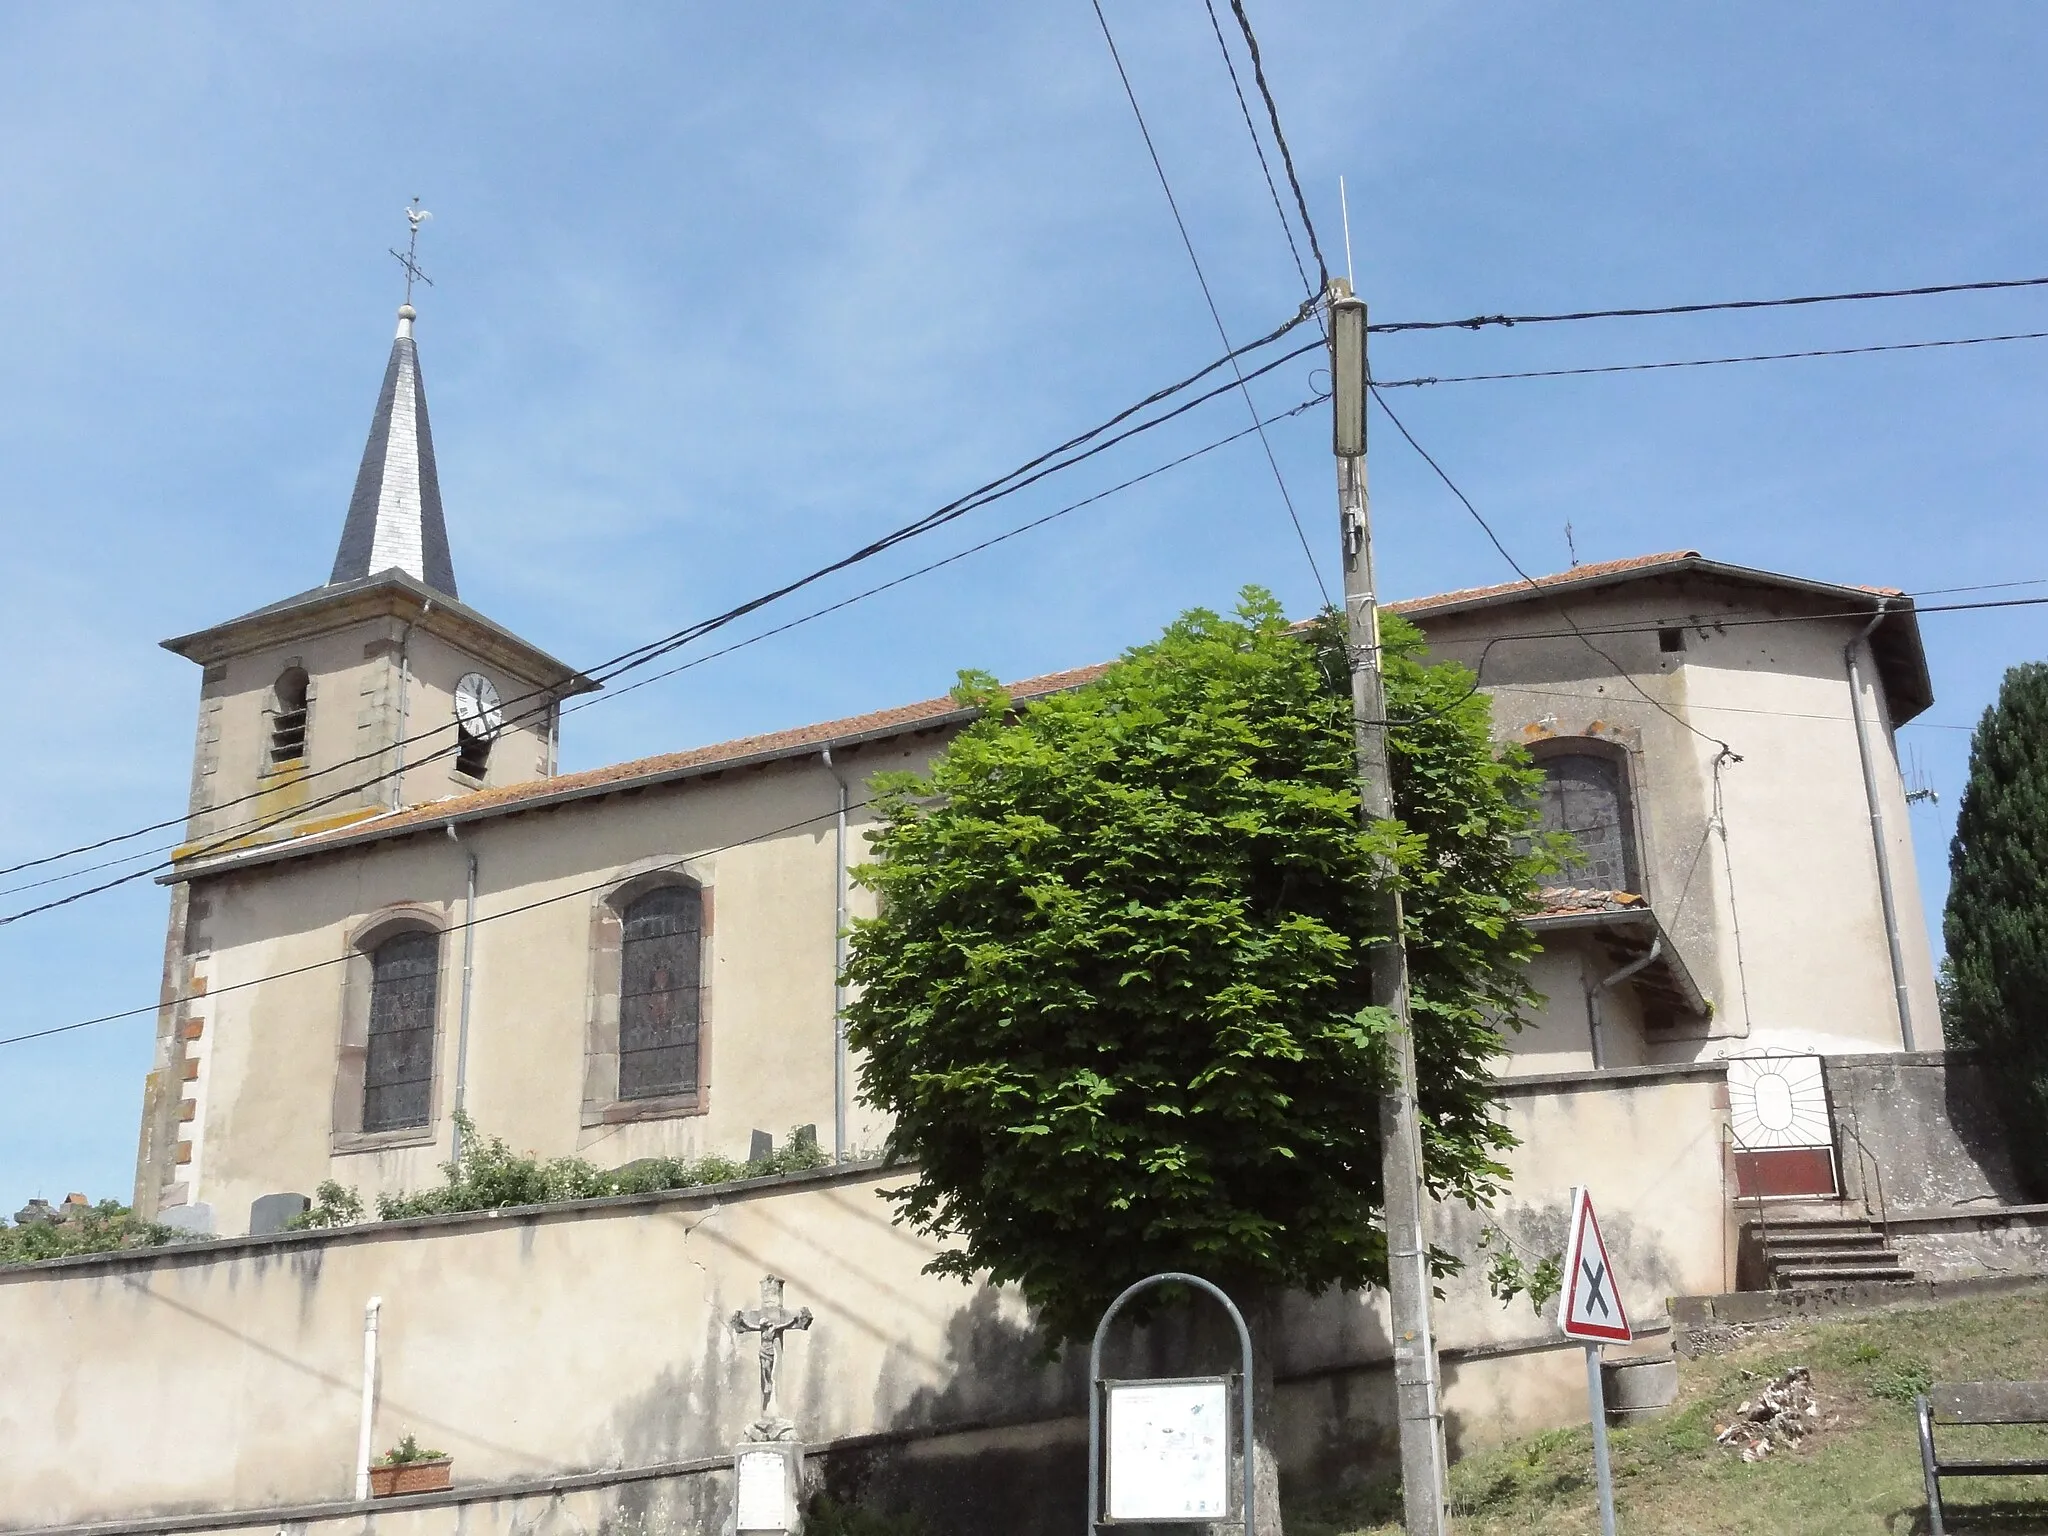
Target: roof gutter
pixel 1851 655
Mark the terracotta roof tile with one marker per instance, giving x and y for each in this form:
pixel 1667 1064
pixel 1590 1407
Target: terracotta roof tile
pixel 1563 901
pixel 881 722
pixel 1575 901
pixel 1578 573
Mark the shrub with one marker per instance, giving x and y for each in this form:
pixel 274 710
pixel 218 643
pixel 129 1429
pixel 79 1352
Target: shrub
pixel 103 1228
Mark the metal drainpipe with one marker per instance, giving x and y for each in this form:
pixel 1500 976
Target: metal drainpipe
pixel 1885 896
pixel 369 1414
pixel 468 964
pixel 838 967
pixel 1595 992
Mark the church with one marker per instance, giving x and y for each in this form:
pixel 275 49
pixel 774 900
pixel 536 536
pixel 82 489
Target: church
pixel 393 915
pixel 391 907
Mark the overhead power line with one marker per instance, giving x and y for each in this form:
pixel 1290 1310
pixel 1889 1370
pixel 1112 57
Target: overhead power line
pixel 1209 298
pixel 472 922
pixel 1708 362
pixel 1251 43
pixel 1480 322
pixel 1259 148
pixel 240 833
pixel 1539 587
pixel 1026 474
pixel 958 555
pixel 544 901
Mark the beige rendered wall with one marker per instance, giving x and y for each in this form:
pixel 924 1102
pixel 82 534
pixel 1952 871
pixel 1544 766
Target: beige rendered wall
pixel 760 841
pixel 354 711
pixel 579 1337
pixel 1796 875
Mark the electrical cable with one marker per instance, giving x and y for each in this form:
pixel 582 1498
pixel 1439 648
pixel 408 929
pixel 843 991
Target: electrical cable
pixel 702 853
pixel 972 549
pixel 242 832
pixel 1251 43
pixel 1209 298
pixel 1259 148
pixel 993 491
pixel 476 922
pixel 1708 362
pixel 1538 587
pixel 1477 322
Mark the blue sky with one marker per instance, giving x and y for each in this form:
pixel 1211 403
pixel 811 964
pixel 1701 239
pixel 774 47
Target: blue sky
pixel 720 291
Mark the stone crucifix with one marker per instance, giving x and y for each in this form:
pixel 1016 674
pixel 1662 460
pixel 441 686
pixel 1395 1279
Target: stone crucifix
pixel 771 1320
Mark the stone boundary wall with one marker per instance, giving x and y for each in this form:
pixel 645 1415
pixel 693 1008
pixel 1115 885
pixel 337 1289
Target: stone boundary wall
pixel 590 1341
pixel 1918 1131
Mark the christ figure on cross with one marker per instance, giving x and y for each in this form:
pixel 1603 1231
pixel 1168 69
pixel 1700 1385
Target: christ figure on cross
pixel 771 1320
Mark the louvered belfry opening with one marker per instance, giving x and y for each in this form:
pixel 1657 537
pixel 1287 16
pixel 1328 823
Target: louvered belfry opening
pixel 398 1072
pixel 474 756
pixel 660 962
pixel 288 719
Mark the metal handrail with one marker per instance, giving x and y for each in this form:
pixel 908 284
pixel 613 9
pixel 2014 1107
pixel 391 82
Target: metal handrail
pixel 1763 1221
pixel 1884 1225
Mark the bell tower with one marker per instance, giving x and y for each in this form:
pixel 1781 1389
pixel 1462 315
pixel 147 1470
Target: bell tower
pixel 380 689
pixel 376 691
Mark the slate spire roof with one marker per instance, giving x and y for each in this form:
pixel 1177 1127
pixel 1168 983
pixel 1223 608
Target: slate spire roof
pixel 394 517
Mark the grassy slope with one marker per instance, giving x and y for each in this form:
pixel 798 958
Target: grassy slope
pixel 1862 1475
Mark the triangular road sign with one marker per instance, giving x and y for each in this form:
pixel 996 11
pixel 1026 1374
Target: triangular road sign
pixel 1591 1307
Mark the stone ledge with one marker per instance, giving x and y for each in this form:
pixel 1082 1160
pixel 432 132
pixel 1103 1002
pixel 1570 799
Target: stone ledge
pixel 281 1515
pixel 290 1244
pixel 1591 1081
pixel 1967 1216
pixel 1692 1314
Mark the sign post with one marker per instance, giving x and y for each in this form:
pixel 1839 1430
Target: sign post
pixel 1167 1451
pixel 1591 1311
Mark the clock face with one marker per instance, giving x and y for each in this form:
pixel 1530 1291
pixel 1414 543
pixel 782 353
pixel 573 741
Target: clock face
pixel 477 709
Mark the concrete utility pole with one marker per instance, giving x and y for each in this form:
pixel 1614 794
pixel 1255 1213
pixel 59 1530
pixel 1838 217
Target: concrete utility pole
pixel 1417 1389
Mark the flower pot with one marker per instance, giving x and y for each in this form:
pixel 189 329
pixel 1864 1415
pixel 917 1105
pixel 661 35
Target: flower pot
pixel 409 1477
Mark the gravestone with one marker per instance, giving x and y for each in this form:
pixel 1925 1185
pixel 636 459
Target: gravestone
pixel 196 1219
pixel 269 1214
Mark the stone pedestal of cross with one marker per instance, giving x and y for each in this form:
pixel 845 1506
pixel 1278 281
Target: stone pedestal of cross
pixel 768 1463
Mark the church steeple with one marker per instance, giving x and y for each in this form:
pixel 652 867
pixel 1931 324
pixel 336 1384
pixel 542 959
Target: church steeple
pixel 394 517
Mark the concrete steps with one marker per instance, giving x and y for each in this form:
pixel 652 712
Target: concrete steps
pixel 1822 1249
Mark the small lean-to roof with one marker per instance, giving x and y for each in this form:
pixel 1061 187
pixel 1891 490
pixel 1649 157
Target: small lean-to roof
pixel 1630 930
pixel 1901 659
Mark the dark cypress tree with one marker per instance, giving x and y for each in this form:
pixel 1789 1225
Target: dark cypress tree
pixel 1996 995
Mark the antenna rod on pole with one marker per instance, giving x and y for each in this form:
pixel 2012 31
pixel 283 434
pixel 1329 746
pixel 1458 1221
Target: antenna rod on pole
pixel 1418 1394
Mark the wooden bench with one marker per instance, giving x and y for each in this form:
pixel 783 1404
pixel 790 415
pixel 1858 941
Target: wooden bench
pixel 1977 1402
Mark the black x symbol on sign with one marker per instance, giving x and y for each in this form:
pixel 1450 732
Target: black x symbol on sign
pixel 1596 1277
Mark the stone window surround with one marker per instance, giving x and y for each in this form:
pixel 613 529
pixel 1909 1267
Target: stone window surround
pixel 352 1050
pixel 601 1102
pixel 1625 751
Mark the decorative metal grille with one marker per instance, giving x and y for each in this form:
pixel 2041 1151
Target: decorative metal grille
pixel 1586 797
pixel 398 1073
pixel 661 955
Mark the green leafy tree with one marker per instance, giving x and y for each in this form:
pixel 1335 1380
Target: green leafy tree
pixel 1115 1000
pixel 1995 992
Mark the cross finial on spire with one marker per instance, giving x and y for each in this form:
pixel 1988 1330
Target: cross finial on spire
pixel 415 216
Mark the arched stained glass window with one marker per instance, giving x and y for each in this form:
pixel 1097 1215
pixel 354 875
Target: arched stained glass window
pixel 660 957
pixel 398 1072
pixel 1585 795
